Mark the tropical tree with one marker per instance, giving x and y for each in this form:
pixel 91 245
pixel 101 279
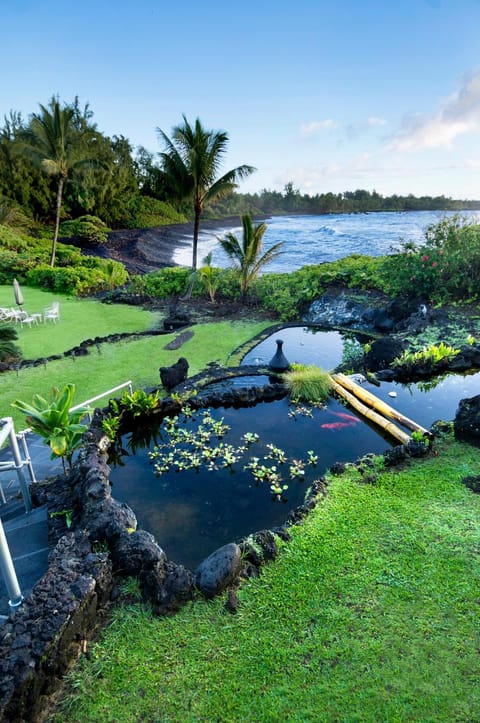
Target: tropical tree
pixel 191 163
pixel 246 255
pixel 54 139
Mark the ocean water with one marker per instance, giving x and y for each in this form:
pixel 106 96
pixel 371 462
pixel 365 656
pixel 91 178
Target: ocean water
pixel 316 239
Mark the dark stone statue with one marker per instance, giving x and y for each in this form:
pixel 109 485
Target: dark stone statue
pixel 279 362
pixel 174 375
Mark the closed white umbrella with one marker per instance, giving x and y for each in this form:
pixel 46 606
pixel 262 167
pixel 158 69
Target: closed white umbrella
pixel 17 292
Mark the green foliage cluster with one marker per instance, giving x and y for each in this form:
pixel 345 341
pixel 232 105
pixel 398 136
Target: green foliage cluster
pixel 147 211
pixel 9 351
pixel 207 277
pixel 136 403
pixel 26 258
pixel 282 294
pixel 433 354
pixel 307 383
pixel 445 267
pixel 170 281
pixel 88 229
pixel 54 421
pixel 101 176
pixel 287 294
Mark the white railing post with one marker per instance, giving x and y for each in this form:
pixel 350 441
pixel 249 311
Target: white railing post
pixel 9 430
pixel 8 573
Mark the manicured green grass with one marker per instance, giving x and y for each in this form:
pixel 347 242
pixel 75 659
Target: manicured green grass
pixel 80 319
pixel 371 613
pixel 113 363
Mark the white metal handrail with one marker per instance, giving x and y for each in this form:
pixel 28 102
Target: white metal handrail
pixel 87 403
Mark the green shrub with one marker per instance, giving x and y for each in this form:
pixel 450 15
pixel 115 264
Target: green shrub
pixel 307 383
pixel 89 229
pixel 445 267
pixel 11 239
pixel 148 212
pixel 8 349
pixel 78 280
pixel 169 281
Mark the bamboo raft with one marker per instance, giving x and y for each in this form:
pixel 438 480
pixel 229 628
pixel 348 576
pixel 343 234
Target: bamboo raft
pixel 374 409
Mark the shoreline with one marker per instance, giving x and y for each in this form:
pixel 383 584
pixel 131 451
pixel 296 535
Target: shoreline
pixel 149 249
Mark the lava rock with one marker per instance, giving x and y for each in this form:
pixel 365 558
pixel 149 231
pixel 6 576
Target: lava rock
pixel 133 553
pixel 472 482
pixel 168 587
pixel 175 374
pixel 383 352
pixel 467 419
pixel 218 570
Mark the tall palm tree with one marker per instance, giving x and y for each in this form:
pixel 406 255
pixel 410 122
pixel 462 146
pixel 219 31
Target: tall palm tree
pixel 53 139
pixel 247 254
pixel 191 163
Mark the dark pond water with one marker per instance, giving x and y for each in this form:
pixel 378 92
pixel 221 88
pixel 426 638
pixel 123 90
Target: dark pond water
pixel 424 402
pixel 191 513
pixel 326 349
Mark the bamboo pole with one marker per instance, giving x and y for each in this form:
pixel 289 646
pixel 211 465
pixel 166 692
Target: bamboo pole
pixel 389 427
pixel 372 401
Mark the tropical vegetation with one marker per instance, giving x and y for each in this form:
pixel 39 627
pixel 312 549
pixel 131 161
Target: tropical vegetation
pixel 191 162
pixel 56 421
pixel 246 255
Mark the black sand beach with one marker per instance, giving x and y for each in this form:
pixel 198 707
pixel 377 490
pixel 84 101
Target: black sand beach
pixel 149 249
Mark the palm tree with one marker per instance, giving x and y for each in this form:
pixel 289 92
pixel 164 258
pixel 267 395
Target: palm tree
pixel 191 162
pixel 53 138
pixel 8 350
pixel 247 254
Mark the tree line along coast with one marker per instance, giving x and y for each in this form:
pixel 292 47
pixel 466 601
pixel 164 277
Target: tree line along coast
pixel 59 171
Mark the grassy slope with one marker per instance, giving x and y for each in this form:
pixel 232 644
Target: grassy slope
pixel 370 614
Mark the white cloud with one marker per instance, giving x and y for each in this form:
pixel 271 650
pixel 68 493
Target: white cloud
pixel 373 121
pixel 458 115
pixel 316 127
pixel 353 130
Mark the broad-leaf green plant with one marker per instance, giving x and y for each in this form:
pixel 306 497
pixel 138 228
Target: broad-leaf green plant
pixel 54 421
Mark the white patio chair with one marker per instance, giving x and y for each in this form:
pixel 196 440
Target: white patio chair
pixel 52 312
pixel 17 315
pixel 6 314
pixel 30 319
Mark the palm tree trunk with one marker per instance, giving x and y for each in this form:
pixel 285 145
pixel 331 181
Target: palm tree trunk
pixel 57 221
pixel 196 227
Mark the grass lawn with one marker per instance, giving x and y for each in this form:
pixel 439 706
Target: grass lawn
pixel 113 363
pixel 371 613
pixel 80 319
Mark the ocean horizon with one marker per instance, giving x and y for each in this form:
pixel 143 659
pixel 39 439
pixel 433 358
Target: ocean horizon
pixel 316 239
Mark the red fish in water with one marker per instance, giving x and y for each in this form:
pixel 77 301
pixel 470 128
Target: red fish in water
pixel 347 417
pixel 336 425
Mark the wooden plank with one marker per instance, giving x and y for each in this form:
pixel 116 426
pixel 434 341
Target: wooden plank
pixel 370 414
pixel 372 401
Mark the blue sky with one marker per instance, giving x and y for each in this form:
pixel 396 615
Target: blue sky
pixel 331 95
